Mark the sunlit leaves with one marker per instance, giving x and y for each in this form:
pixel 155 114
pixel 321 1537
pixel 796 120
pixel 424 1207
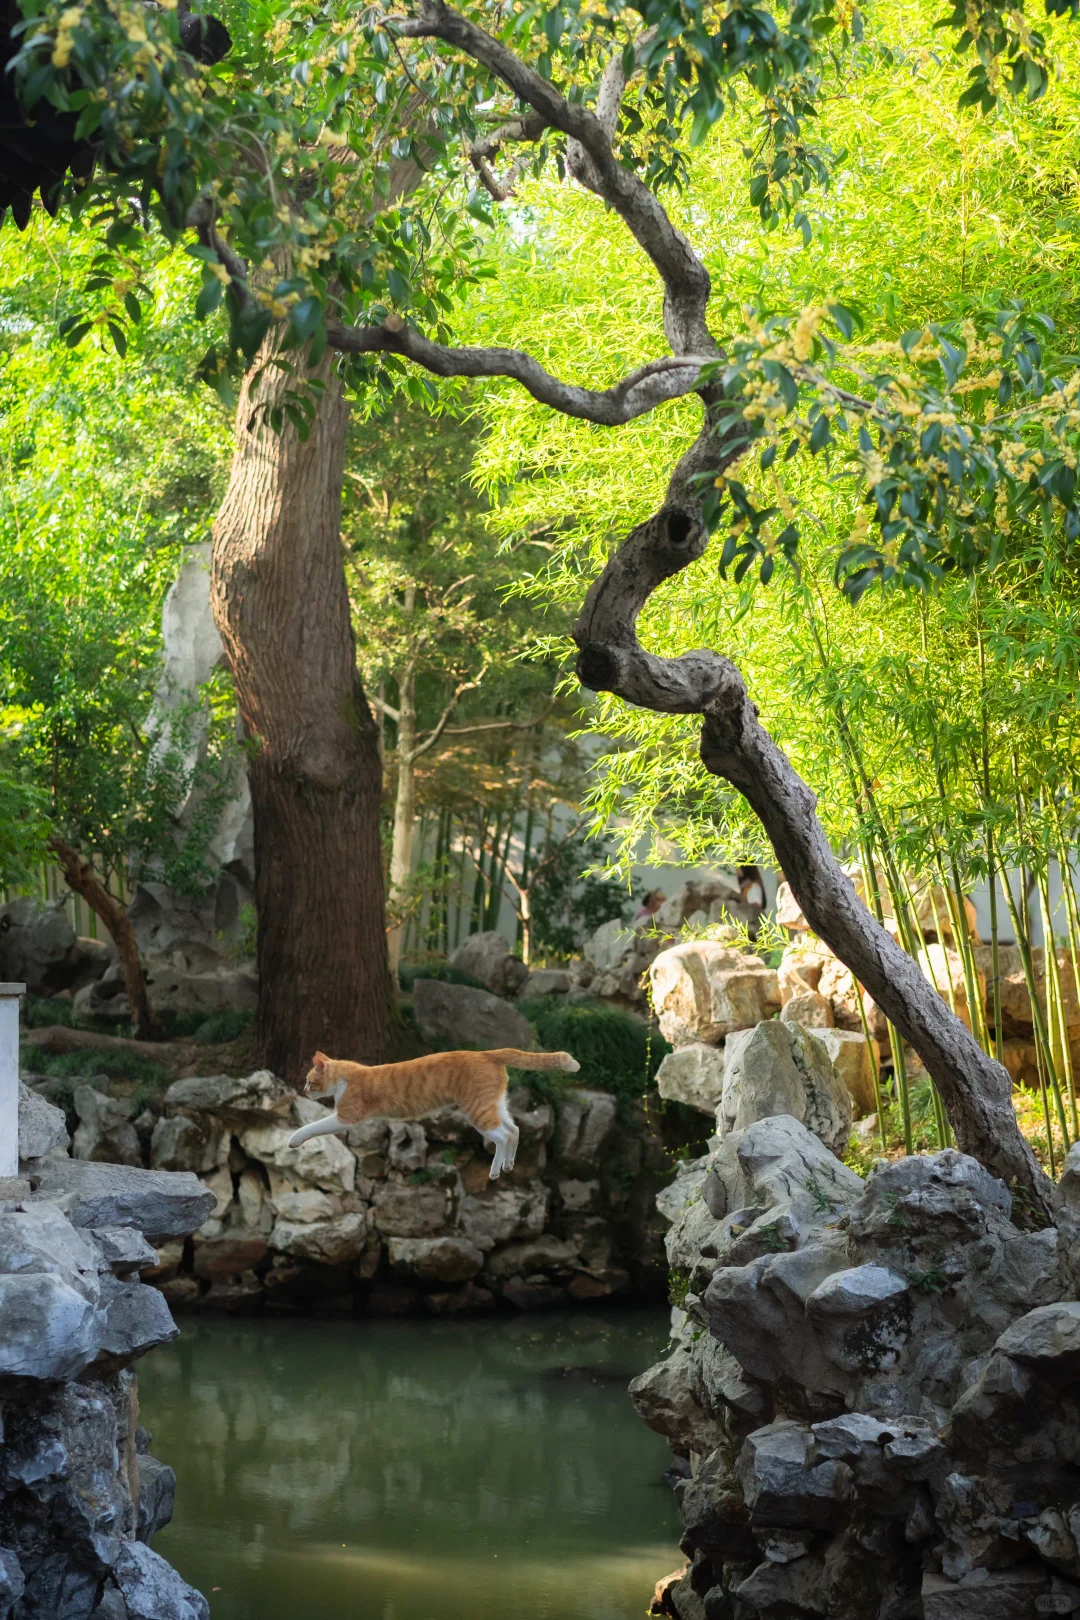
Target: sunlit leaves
pixel 944 474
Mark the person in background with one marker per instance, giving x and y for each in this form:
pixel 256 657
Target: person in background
pixel 650 905
pixel 751 883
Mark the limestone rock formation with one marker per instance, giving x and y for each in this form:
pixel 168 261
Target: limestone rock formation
pixel 693 1075
pixel 80 1494
pixel 876 1382
pixel 779 1068
pixel 489 958
pixel 456 1015
pixel 703 989
pixel 398 1214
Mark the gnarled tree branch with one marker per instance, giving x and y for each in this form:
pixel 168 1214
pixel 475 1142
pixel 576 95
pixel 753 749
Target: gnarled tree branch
pixel 638 393
pixel 734 745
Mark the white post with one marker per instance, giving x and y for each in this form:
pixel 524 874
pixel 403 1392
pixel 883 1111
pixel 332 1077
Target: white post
pixel 9 1079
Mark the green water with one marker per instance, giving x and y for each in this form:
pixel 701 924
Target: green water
pixel 413 1470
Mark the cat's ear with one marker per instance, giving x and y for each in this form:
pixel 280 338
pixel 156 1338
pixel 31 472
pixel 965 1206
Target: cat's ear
pixel 319 1061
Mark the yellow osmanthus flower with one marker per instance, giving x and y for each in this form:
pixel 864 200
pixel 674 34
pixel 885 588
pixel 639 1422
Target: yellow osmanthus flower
pixel 65 36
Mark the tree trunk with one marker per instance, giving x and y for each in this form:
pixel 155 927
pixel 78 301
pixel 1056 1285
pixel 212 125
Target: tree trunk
pixel 401 849
pixel 81 877
pixel 281 605
pixel 975 1088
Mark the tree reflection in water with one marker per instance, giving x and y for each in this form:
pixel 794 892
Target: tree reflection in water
pixel 413 1470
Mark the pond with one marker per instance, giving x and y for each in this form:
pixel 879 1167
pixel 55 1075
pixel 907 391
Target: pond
pixel 414 1470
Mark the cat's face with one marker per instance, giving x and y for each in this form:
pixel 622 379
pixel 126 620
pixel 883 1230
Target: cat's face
pixel 320 1077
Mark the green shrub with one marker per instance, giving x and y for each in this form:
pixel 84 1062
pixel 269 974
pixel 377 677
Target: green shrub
pixel 227 1025
pixel 41 1013
pixel 614 1049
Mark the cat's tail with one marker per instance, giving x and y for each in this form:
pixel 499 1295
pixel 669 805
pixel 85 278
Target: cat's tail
pixel 510 1058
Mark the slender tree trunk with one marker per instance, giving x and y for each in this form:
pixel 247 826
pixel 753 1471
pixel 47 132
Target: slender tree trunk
pixel 81 877
pixel 401 849
pixel 281 605
pixel 975 1088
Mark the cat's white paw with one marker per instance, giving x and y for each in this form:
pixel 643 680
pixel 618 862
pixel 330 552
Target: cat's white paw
pixel 295 1139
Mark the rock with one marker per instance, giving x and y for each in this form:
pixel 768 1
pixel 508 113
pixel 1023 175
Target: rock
pixel 304 1204
pixel 809 1009
pixel 41 1126
pixel 48 1330
pixel 843 994
pixel 248 1099
pixel 788 910
pixel 863 1316
pixel 489 958
pixel 501 1213
pixel 37 946
pixel 152 1589
pixel 136 1319
pixel 693 1075
pixel 435 1260
pixel 779 1068
pixel 584 1123
pixel 1003 1594
pixel 544 1253
pixel 703 990
pixel 324 1161
pixel 124 1249
pixel 331 1243
pixel 403 1211
pixel 946 1196
pixel 1047 1338
pixel 545 982
pixel 183 1143
pixel 708 896
pixel 105 1134
pixel 229 1255
pixel 616 957
pixel 407 1145
pixel 800 970
pixel 1069 1185
pixel 853 1065
pixel 161 1205
pixel 664 1398
pixel 157 1496
pixel 1015 1001
pixel 784 1589
pixel 460 1016
pixel 780 1487
pixel 12 1582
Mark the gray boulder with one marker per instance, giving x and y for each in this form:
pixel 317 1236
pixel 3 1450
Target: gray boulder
pixel 435 1260
pixel 37 946
pixel 489 958
pixel 333 1243
pixel 779 1068
pixel 41 1126
pixel 152 1589
pixel 161 1205
pixel 704 989
pixel 248 1097
pixel 459 1016
pixel 693 1075
pixel 157 1496
pixel 545 982
pixel 180 1142
pixel 105 1134
pixel 12 1582
pixel 584 1124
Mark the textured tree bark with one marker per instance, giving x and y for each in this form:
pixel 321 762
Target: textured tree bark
pixel 975 1088
pixel 281 606
pixel 401 850
pixel 80 876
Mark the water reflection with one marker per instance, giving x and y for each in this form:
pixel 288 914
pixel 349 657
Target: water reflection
pixel 413 1470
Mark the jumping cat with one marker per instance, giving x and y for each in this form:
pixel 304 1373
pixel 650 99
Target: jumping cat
pixel 475 1082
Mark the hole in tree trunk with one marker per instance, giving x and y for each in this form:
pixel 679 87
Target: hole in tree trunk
pixel 680 526
pixel 595 667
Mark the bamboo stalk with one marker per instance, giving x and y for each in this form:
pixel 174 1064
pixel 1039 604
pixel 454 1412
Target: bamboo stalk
pixel 1072 922
pixel 1055 1006
pixel 895 1043
pixel 1043 1057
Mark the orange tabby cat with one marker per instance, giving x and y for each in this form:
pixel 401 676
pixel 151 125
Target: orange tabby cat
pixel 474 1081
